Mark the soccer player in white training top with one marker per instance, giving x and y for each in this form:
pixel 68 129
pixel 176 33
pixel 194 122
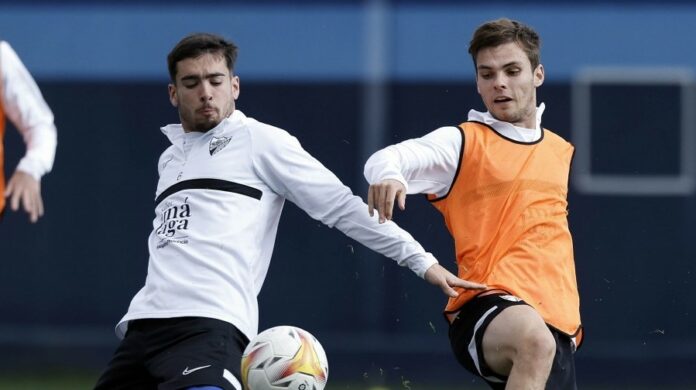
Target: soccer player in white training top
pixel 221 190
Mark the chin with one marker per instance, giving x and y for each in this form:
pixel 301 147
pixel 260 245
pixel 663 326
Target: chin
pixel 206 126
pixel 505 116
pixel 500 117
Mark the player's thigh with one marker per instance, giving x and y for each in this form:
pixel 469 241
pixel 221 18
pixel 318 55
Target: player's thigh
pixel 206 352
pixel 516 330
pixel 126 369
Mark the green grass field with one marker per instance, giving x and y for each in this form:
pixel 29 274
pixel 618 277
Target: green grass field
pixel 52 381
pixel 80 381
pixel 76 381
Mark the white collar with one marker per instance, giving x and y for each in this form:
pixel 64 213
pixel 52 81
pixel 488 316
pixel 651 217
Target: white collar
pixel 175 131
pixel 509 130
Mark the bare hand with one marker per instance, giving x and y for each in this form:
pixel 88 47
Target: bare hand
pixel 381 196
pixel 25 190
pixel 441 277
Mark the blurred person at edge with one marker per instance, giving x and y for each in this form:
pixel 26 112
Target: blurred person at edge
pixel 22 103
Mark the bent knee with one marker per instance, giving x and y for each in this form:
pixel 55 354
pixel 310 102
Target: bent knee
pixel 537 344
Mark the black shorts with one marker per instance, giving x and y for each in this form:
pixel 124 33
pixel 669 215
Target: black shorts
pixel 176 353
pixel 466 339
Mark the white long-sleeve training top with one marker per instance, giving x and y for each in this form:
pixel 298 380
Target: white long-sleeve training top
pixel 218 203
pixel 26 108
pixel 427 165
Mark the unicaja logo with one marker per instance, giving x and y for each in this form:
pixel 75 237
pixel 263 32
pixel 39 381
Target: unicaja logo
pixel 174 223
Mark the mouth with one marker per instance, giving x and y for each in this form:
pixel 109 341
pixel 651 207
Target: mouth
pixel 207 110
pixel 502 99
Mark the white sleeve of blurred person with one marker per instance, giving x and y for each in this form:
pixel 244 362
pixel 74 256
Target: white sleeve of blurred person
pixel 292 172
pixel 424 165
pixel 26 108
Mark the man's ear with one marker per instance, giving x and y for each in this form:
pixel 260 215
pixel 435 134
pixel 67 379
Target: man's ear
pixel 539 75
pixel 172 95
pixel 235 87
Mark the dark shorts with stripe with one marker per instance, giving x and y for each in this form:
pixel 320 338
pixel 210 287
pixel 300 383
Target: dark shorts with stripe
pixel 176 353
pixel 466 339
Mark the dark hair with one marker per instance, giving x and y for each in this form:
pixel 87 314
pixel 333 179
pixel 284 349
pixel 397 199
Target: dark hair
pixel 197 44
pixel 501 31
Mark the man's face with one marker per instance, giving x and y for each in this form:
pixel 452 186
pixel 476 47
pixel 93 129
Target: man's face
pixel 204 92
pixel 507 84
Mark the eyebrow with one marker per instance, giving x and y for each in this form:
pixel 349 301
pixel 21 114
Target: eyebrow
pixel 509 64
pixel 208 76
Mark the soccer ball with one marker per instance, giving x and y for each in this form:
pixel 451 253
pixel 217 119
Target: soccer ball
pixel 284 358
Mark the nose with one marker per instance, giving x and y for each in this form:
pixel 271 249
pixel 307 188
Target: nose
pixel 500 82
pixel 206 92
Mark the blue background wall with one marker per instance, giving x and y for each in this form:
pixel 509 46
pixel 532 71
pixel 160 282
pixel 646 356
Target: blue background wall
pixel 313 68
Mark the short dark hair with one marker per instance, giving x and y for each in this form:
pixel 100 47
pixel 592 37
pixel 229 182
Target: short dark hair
pixel 197 44
pixel 501 31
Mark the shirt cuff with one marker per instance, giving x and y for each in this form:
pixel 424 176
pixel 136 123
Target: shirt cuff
pixel 421 263
pixel 398 177
pixel 32 167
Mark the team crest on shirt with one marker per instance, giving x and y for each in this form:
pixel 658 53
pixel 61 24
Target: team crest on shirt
pixel 217 144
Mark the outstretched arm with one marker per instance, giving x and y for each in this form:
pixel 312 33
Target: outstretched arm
pixel 292 172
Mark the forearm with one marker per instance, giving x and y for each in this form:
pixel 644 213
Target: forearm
pixel 41 144
pixel 387 238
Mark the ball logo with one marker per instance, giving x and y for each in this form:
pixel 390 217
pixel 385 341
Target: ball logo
pixel 305 361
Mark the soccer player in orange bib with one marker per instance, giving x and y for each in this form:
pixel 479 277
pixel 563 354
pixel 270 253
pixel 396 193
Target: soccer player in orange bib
pixel 22 103
pixel 500 181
